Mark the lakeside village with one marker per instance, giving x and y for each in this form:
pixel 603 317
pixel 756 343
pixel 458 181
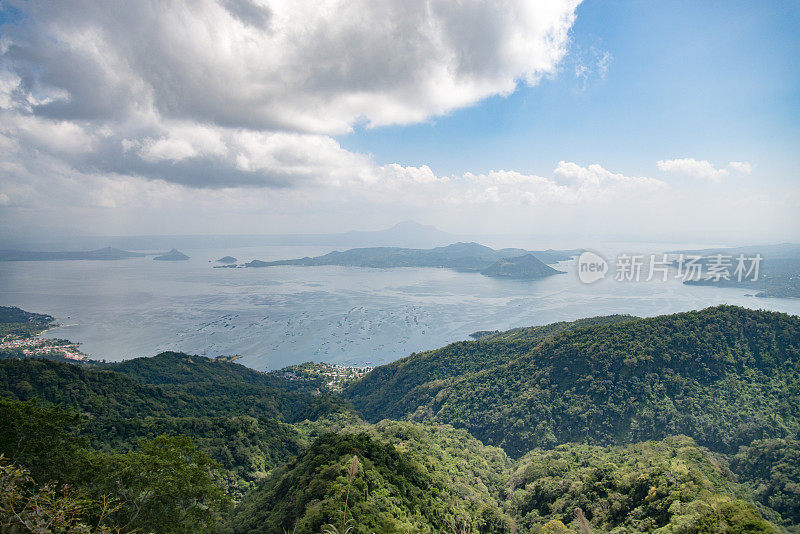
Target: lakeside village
pixel 37 347
pixel 20 337
pixel 333 377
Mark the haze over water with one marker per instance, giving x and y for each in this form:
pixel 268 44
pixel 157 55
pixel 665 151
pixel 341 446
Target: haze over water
pixel 283 315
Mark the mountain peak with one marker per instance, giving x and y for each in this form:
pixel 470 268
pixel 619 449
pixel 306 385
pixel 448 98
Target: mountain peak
pixel 407 226
pixel 172 255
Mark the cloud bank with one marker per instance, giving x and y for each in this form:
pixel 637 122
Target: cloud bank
pixel 702 169
pixel 241 93
pixel 231 106
pixel 280 65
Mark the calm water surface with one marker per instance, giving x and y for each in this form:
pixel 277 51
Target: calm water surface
pixel 283 315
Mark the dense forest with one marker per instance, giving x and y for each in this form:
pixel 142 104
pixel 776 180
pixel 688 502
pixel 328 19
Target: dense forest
pixel 725 376
pixel 679 423
pixel 242 418
pixel 396 389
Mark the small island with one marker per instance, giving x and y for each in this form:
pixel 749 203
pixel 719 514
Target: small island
pixel 462 257
pixel 227 260
pixel 172 255
pixel 525 267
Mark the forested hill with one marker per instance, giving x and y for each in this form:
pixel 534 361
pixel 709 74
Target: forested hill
pixel 240 417
pixel 724 375
pixel 398 388
pixel 180 443
pixel 179 368
pixel 170 384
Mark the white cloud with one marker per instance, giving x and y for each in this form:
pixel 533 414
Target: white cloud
pixel 179 142
pixel 604 63
pixel 286 65
pixel 702 168
pixel 225 106
pixel 321 172
pixel 692 167
pixel 43 134
pixel 246 93
pixel 742 167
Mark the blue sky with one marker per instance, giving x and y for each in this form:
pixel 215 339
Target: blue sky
pixel 711 80
pixel 677 119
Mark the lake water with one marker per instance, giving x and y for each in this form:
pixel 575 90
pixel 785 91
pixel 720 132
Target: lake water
pixel 282 315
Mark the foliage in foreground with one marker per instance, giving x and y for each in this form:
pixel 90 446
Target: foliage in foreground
pixel 771 469
pixel 26 507
pixel 164 485
pixel 238 416
pixel 392 489
pixel 415 478
pixel 666 486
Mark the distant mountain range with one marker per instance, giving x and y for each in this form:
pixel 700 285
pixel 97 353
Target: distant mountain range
pixel 107 253
pixel 781 250
pixel 404 234
pixel 463 257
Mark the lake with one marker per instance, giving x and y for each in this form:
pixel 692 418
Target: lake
pixel 283 315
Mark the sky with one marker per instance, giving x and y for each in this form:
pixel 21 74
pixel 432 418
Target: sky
pixel 661 119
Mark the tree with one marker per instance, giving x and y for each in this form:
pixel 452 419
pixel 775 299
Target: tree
pixel 163 486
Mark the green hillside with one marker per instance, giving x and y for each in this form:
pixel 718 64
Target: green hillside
pixel 725 376
pixel 663 486
pixel 396 389
pixel 408 478
pixel 240 417
pixel 680 423
pixel 450 482
pixel 177 390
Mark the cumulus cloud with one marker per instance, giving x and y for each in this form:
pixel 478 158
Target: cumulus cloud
pixel 692 167
pixel 215 94
pixel 702 169
pixel 42 134
pixel 313 67
pixel 349 179
pixel 233 103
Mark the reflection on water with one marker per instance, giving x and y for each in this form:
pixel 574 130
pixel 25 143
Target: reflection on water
pixel 282 315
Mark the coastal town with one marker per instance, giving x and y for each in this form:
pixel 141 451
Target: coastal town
pixel 37 347
pixel 331 376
